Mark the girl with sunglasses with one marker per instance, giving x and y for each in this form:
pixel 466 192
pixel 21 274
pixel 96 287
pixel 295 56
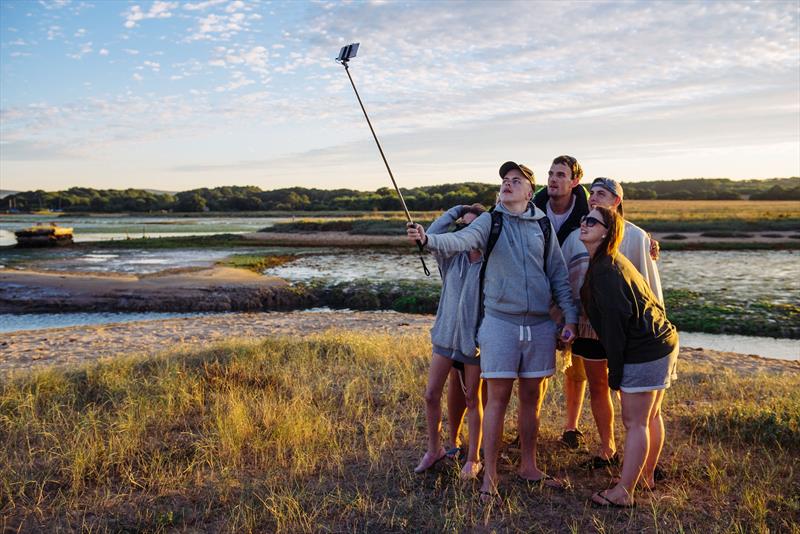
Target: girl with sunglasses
pixel 640 343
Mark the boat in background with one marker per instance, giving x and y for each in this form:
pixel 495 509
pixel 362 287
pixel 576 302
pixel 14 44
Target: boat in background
pixel 44 235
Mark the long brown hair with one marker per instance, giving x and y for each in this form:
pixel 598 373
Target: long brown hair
pixel 608 247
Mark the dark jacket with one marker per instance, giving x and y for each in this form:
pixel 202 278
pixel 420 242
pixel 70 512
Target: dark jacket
pixel 628 318
pixel 580 209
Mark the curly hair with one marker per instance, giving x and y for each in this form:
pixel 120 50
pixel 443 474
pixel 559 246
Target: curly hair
pixel 572 163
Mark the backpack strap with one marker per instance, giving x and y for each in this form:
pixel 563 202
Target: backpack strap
pixel 494 235
pixel 547 231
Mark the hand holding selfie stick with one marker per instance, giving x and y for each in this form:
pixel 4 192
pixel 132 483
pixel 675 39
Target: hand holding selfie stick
pixel 345 54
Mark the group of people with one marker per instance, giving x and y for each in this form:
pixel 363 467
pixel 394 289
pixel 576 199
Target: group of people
pixel 558 269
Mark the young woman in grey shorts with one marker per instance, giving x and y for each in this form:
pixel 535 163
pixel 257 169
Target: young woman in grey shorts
pixel 453 340
pixel 640 343
pixel 516 336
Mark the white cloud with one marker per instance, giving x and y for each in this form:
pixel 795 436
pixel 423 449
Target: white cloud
pixel 152 65
pixel 54 4
pixel 201 6
pixel 103 52
pixel 85 48
pixel 131 51
pixel 234 6
pixel 158 10
pixel 138 77
pixel 54 32
pixel 80 33
pixel 238 81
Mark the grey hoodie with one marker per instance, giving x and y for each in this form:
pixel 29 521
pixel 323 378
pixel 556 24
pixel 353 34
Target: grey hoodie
pixel 457 315
pixel 516 288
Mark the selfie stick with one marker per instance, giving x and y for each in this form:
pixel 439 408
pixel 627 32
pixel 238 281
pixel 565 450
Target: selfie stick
pixel 345 54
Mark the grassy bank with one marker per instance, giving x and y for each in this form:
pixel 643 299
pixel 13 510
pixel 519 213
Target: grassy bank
pixel 689 310
pixel 322 435
pixel 653 215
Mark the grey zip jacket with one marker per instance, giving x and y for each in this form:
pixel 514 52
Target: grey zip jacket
pixel 516 288
pixel 457 315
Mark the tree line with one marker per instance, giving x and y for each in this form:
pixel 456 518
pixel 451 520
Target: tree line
pixel 428 198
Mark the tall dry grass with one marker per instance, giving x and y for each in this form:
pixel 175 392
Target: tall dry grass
pixel 321 434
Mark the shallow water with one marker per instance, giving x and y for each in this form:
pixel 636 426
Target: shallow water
pixel 766 347
pixel 772 275
pixel 101 228
pixel 38 321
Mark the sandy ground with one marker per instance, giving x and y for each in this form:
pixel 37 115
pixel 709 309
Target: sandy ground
pixel 84 344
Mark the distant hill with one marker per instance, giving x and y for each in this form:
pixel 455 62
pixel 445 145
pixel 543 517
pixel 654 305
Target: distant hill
pixel 428 198
pixel 715 189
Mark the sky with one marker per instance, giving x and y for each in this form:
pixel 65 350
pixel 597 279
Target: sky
pixel 176 95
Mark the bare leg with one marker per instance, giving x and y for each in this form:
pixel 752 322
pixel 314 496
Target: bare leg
pixel 602 408
pixel 499 394
pixel 656 427
pixel 474 418
pixel 456 407
pixel 531 396
pixel 574 391
pixel 636 409
pixel 440 367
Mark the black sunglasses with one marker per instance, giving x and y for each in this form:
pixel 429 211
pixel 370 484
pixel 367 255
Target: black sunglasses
pixel 591 221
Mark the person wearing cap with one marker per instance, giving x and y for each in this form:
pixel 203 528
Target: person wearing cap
pixel 636 247
pixel 453 340
pixel 516 336
pixel 565 201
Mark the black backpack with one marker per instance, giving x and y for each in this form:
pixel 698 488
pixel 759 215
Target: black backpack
pixel 494 235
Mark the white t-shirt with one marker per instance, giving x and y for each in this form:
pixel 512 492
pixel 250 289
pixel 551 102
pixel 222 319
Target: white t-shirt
pixel 558 219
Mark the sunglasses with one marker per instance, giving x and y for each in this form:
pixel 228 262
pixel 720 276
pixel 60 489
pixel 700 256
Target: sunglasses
pixel 591 221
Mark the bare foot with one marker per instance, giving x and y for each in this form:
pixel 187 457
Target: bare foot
pixel 429 460
pixel 488 491
pixel 616 497
pixel 470 470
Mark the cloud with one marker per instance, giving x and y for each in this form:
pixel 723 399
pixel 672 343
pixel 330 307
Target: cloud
pixel 53 32
pixel 158 10
pixel 138 77
pixel 152 65
pixel 54 4
pixel 85 48
pixel 103 52
pixel 80 33
pixel 202 6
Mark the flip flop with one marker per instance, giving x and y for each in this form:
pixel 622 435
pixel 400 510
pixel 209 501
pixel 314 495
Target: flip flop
pixel 542 482
pixel 596 462
pixel 608 503
pixel 455 453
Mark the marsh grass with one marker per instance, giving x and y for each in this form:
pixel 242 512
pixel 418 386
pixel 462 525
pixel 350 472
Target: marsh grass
pixel 321 434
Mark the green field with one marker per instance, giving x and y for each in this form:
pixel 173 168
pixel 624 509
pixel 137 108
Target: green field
pixel 282 435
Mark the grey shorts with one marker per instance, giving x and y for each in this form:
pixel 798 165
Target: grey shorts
pixel 456 355
pixel 510 350
pixel 650 376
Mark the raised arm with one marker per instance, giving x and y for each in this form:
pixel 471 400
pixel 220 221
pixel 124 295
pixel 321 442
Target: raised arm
pixel 440 225
pixel 474 236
